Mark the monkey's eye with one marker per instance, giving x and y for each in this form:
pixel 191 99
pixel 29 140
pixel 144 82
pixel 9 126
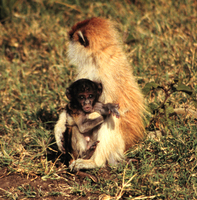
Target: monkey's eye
pixel 91 96
pixel 81 97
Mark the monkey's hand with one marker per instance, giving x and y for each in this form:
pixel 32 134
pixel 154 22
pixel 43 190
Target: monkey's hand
pixel 110 108
pixel 107 109
pixel 113 108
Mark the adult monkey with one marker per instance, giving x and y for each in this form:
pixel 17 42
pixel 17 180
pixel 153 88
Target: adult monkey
pixel 95 49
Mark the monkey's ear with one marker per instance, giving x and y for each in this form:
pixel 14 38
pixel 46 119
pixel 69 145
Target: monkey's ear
pixel 83 39
pixel 100 89
pixel 68 94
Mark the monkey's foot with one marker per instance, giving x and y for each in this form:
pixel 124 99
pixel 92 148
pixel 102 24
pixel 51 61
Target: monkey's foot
pixel 82 164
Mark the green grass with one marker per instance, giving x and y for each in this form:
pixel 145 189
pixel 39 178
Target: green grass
pixel 160 40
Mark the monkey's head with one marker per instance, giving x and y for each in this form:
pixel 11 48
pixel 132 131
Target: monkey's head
pixel 83 94
pixel 88 37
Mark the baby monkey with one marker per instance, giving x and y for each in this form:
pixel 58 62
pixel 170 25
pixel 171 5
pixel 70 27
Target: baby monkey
pixel 85 114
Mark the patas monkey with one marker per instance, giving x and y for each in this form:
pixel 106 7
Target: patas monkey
pixel 96 51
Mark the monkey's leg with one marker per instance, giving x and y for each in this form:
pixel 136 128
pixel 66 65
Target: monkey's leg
pixel 110 148
pixel 79 144
pixel 82 163
pixel 88 154
pixel 59 129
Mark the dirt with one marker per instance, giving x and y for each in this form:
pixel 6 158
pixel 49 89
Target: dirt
pixel 19 186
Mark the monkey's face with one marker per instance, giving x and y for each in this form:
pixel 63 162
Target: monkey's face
pixel 86 100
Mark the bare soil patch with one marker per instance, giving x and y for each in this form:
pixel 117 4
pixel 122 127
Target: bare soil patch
pixel 14 185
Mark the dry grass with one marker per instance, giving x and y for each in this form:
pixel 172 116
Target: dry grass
pixel 160 40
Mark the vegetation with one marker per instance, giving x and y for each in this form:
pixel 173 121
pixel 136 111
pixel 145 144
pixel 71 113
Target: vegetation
pixel 160 40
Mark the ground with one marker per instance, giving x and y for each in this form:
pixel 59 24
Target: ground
pixel 19 186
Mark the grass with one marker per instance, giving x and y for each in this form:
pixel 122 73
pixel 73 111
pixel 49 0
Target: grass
pixel 160 40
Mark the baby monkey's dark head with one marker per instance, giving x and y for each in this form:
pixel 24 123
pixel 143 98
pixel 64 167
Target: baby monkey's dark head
pixel 83 94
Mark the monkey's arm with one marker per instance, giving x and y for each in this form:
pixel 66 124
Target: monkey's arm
pixel 107 109
pixel 59 129
pixel 87 122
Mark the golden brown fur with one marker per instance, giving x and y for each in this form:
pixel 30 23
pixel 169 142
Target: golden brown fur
pixel 101 59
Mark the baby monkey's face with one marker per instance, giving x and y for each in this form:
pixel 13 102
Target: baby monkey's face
pixel 86 100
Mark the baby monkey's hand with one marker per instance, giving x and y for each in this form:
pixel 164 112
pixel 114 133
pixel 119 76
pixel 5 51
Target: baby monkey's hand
pixel 107 109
